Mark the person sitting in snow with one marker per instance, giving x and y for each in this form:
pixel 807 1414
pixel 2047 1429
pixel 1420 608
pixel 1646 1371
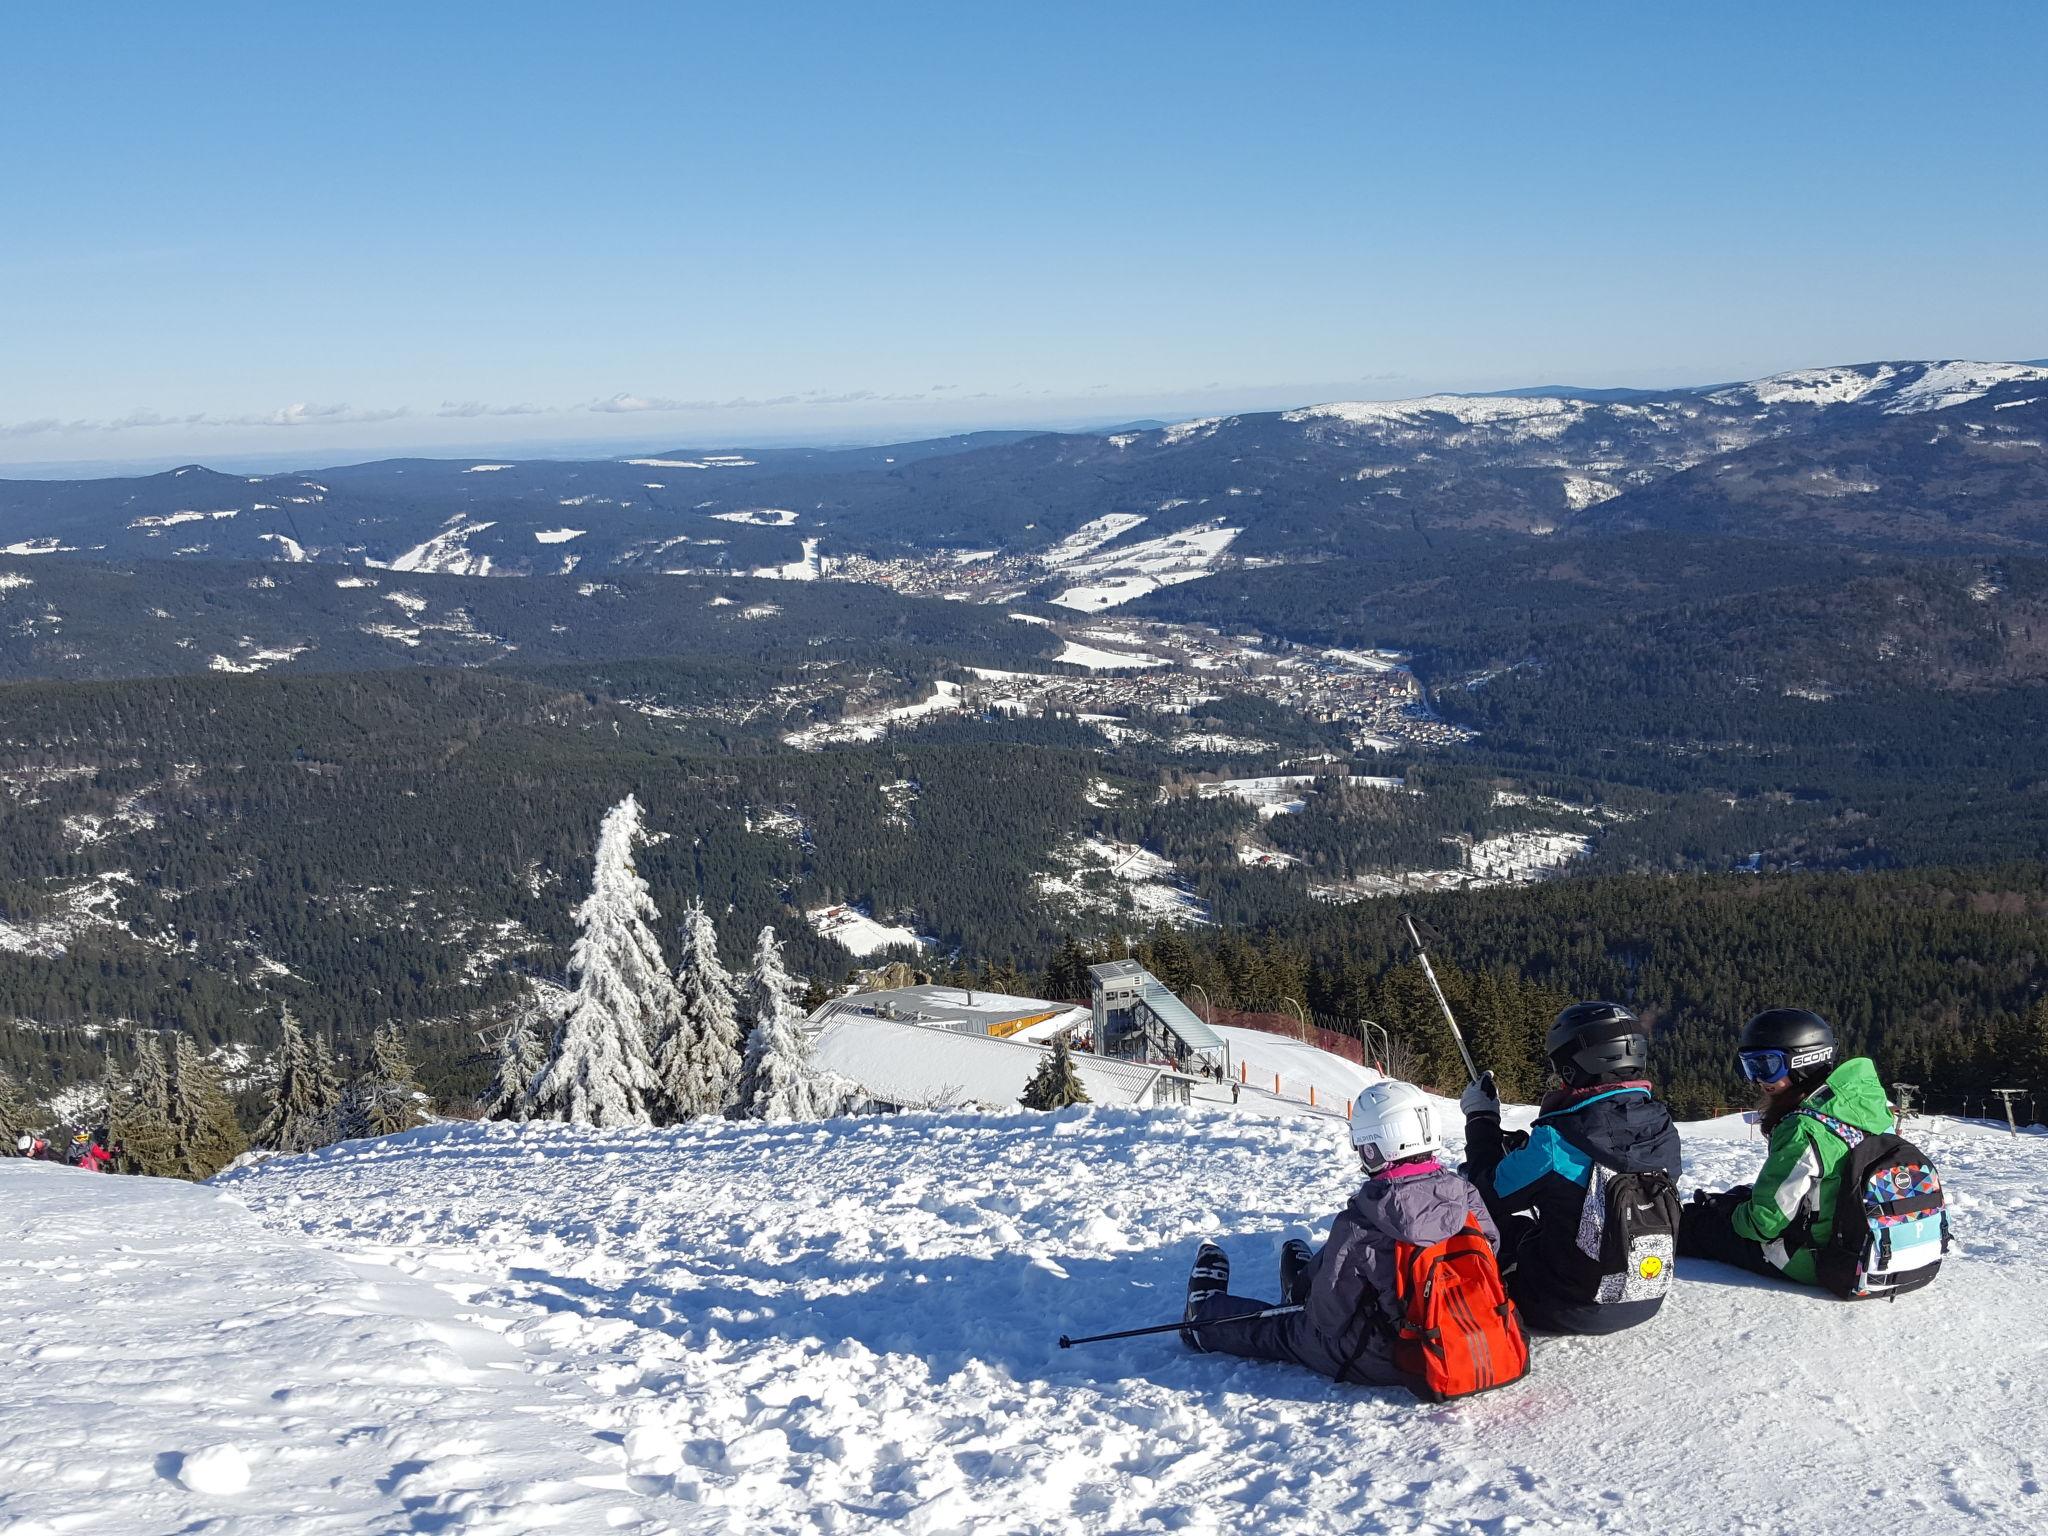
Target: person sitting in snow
pixel 1347 1292
pixel 88 1154
pixel 32 1146
pixel 1536 1182
pixel 1778 1225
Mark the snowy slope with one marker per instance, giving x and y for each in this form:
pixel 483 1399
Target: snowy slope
pixel 169 1365
pixel 850 1327
pixel 1297 1066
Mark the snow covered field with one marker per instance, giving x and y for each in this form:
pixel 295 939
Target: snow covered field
pixel 850 1327
pixel 854 930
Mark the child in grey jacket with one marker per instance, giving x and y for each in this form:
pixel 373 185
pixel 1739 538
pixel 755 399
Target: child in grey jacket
pixel 1347 1293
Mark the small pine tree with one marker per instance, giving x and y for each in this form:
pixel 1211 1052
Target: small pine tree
pixel 305 1114
pixel 778 1080
pixel 208 1135
pixel 698 1058
pixel 599 1072
pixel 141 1132
pixel 387 1098
pixel 1056 1083
pixel 523 1054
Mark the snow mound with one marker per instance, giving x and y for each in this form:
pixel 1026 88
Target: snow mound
pixel 851 1326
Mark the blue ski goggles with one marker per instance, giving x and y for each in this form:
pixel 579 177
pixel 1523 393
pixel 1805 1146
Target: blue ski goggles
pixel 1765 1066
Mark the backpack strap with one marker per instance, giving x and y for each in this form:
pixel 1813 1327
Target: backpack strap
pixel 1848 1135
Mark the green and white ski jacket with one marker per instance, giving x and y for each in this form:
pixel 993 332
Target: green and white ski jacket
pixel 1800 1179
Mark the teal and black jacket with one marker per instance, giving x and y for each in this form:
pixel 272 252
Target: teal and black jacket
pixel 1534 1182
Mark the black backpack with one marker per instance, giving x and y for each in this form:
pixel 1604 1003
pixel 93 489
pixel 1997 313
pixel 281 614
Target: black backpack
pixel 1627 1243
pixel 1891 1223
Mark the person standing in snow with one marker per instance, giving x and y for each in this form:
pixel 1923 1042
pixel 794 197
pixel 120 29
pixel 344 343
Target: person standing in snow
pixel 1537 1183
pixel 1347 1292
pixel 1778 1225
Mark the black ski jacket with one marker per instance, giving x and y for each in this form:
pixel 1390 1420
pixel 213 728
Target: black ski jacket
pixel 1535 1184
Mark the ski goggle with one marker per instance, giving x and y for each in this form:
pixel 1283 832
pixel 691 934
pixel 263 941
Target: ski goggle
pixel 1765 1066
pixel 1772 1066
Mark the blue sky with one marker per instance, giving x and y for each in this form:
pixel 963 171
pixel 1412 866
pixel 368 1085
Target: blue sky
pixel 257 230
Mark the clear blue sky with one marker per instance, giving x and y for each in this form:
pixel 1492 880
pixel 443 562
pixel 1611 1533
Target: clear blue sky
pixel 759 223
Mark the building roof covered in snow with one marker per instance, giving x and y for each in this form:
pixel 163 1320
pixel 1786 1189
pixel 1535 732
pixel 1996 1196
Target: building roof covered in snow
pixel 919 1066
pixel 965 1010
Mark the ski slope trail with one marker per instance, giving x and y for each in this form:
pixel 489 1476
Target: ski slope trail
pixel 169 1365
pixel 850 1327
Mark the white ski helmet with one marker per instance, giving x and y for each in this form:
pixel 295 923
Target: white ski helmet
pixel 25 1143
pixel 1393 1121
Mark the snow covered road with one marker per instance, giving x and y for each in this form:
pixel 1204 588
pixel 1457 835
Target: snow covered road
pixel 169 1365
pixel 850 1327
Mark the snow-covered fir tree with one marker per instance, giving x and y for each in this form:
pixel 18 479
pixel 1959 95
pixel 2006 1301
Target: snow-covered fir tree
pixel 523 1053
pixel 1056 1083
pixel 599 1072
pixel 387 1098
pixel 15 1117
pixel 779 1080
pixel 698 1057
pixel 209 1137
pixel 140 1131
pixel 305 1115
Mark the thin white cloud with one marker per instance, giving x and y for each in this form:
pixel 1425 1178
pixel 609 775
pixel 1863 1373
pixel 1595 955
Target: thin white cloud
pixel 472 408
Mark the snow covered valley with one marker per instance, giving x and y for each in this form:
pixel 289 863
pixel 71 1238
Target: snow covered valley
pixel 851 1325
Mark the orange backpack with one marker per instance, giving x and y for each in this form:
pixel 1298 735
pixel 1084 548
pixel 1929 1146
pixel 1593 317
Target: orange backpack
pixel 1458 1333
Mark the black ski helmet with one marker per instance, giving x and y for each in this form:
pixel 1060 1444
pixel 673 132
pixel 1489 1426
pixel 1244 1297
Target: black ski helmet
pixel 1803 1035
pixel 1597 1043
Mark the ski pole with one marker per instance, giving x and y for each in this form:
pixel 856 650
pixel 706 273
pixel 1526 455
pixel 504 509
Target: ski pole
pixel 1203 1322
pixel 1428 971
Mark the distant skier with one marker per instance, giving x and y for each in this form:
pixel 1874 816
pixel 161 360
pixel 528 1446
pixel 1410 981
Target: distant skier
pixel 1350 1293
pixel 1824 1122
pixel 32 1146
pixel 1586 1198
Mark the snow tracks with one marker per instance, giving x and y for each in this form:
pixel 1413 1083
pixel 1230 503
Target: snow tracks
pixel 849 1326
pixel 167 1365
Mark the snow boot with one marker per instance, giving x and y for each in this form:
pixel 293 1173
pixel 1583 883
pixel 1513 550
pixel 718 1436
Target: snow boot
pixel 1209 1278
pixel 1295 1258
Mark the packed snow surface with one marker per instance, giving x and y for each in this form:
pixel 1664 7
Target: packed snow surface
pixel 851 1327
pixel 172 1364
pixel 1296 1065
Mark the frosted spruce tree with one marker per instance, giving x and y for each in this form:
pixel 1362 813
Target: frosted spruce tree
pixel 305 1115
pixel 208 1136
pixel 523 1051
pixel 15 1117
pixel 698 1057
pixel 140 1131
pixel 1056 1083
pixel 388 1099
pixel 778 1080
pixel 599 1072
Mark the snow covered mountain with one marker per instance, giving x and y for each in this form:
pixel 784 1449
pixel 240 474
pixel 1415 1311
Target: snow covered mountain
pixel 1946 455
pixel 850 1326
